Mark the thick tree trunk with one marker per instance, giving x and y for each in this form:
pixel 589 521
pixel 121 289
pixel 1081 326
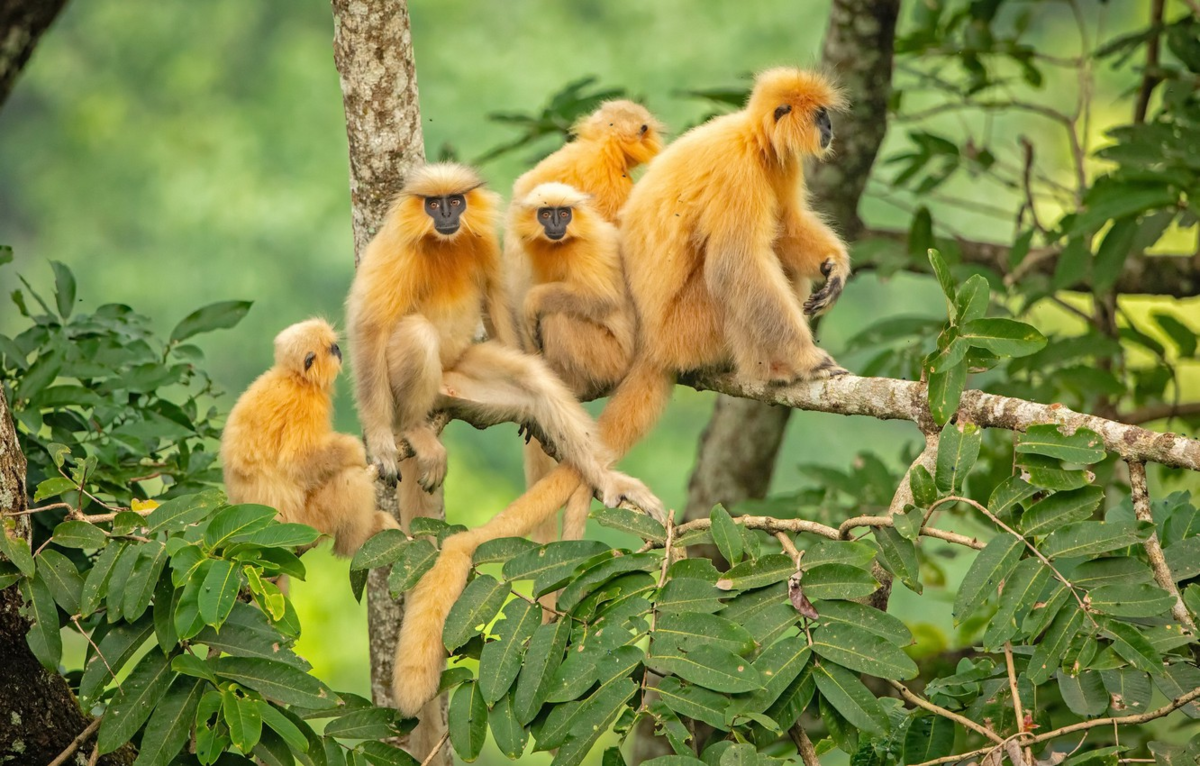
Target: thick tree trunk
pixel 372 49
pixel 22 23
pixel 738 450
pixel 39 716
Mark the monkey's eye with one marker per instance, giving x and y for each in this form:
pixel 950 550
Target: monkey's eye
pixel 780 111
pixel 645 129
pixel 309 358
pixel 563 213
pixel 336 350
pixel 434 204
pixel 455 201
pixel 545 215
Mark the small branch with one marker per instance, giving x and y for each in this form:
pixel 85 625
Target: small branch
pixel 928 460
pixel 1154 551
pixel 804 745
pixel 789 548
pixel 84 736
pixel 920 702
pixel 1027 183
pixel 40 508
pixel 1149 79
pixel 436 748
pixel 1018 711
pixel 888 521
pixel 1161 412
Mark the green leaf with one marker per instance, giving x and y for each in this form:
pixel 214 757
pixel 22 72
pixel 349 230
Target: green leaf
pixel 595 577
pixel 114 650
pixel 861 650
pixel 838 552
pixel 279 536
pixel 383 754
pixel 1003 337
pixel 508 732
pixel 850 698
pixel 872 620
pixel 674 760
pixel 467 721
pixel 16 548
pixel 417 559
pixel 1178 679
pixel 383 548
pixel 179 512
pixel 1061 508
pixel 1051 649
pixel 548 565
pixel 778 666
pixel 1084 446
pixel 139 588
pixel 899 556
pixel 685 594
pixel 79 534
pixel 1021 589
pixel 64 288
pixel 694 701
pixel 215 316
pixel 243 719
pixel 1182 335
pixel 277 681
pixel 478 605
pixel 191 665
pixel 1009 495
pixel 689 629
pixel 1048 473
pixel 369 723
pixel 537 672
pixel 592 720
pixel 500 660
pixel 726 534
pixel 247 633
pixel 62 578
pixel 942 271
pixel 712 667
pixel 271 750
pixel 945 391
pixel 1183 558
pixel 501 550
pixel 1113 250
pixel 993 565
pixel 219 592
pixel 928 738
pixel 297 741
pixel 1084 693
pixel 53 487
pixel 1090 538
pixel 958 448
pixel 634 523
pixel 135 700
pixel 1131 600
pixel 1133 646
pixel 758 573
pixel 170 723
pixel 43 637
pixel 237 520
pixel 972 300
pixel 1112 570
pixel 838 581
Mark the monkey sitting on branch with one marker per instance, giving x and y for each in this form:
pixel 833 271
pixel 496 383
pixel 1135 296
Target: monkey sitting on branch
pixel 720 249
pixel 418 296
pixel 279 448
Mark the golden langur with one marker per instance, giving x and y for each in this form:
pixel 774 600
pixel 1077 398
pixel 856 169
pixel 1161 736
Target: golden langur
pixel 719 248
pixel 576 312
pixel 279 449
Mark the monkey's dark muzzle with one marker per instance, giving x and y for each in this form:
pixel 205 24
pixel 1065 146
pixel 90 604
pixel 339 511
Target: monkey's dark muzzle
pixel 825 125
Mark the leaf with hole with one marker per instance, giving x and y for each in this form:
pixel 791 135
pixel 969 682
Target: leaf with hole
pixel 1083 446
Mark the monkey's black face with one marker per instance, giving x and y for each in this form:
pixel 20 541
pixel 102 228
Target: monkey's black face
pixel 445 212
pixel 336 350
pixel 555 221
pixel 825 125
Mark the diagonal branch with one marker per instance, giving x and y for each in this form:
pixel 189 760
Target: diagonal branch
pixel 1154 551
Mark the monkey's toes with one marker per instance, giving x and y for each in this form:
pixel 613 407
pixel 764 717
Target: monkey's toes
pixel 390 473
pixel 828 369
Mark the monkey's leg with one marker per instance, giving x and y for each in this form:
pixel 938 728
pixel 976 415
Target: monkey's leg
pixel 502 384
pixel 415 373
pixel 345 508
pixel 576 515
pixel 537 465
pixel 414 501
pixel 590 358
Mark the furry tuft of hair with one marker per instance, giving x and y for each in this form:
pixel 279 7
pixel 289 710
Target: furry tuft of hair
pixel 279 447
pixel 793 135
pixel 407 221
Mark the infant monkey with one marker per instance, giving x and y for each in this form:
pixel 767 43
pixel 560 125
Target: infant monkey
pixel 279 448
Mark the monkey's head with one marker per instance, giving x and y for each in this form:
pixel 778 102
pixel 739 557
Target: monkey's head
pixel 792 107
pixel 309 350
pixel 444 200
pixel 630 125
pixel 556 213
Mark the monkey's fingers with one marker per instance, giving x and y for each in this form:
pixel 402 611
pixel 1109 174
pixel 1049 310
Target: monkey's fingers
pixel 390 474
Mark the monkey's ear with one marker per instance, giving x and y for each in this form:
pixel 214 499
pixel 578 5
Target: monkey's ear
pixel 309 358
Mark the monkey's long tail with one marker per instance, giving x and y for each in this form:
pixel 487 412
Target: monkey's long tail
pixel 420 653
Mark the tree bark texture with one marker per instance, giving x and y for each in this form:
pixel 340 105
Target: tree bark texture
pixel 39 715
pixel 739 447
pixel 372 49
pixel 22 23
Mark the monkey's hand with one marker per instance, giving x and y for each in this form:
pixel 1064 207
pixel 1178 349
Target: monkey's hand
pixel 836 271
pixel 383 458
pixel 430 455
pixel 617 487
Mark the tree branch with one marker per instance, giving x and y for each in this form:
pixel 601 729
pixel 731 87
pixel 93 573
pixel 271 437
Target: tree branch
pixel 1154 551
pixel 76 743
pixel 22 24
pixel 920 702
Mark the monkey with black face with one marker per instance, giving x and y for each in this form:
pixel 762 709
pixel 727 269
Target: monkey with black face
pixel 422 288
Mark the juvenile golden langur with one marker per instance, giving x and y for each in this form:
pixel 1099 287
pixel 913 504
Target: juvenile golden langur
pixel 279 448
pixel 720 248
pixel 576 312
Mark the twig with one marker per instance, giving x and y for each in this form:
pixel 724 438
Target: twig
pixel 1027 183
pixel 889 521
pixel 432 753
pixel 1150 79
pixel 550 609
pixel 99 653
pixel 39 509
pixel 662 579
pixel 1018 710
pixel 927 459
pixel 1161 412
pixel 920 702
pixel 804 746
pixel 84 736
pixel 789 548
pixel 1154 551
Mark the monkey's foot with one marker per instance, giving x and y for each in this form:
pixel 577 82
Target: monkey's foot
pixel 822 300
pixel 617 487
pixel 816 366
pixel 383 459
pixel 430 455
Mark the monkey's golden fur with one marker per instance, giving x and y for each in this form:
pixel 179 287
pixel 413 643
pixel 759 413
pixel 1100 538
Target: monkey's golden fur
pixel 412 312
pixel 279 449
pixel 719 248
pixel 575 313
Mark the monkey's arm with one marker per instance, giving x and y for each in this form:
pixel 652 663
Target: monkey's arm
pixel 810 249
pixel 376 407
pixel 336 453
pixel 559 298
pixel 498 319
